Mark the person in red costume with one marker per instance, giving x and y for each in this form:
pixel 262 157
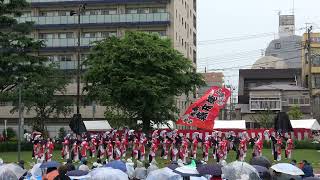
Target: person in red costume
pixel 206 147
pixel 135 148
pixel 153 149
pixel 117 151
pixel 65 152
pixel 142 146
pixel 75 151
pixel 166 145
pixel 258 145
pixel 93 147
pixel 124 145
pixel 289 148
pixel 222 146
pixel 242 148
pixel 49 150
pixel 279 147
pixel 195 145
pixel 101 149
pixel 109 150
pixel 84 148
pixel 184 150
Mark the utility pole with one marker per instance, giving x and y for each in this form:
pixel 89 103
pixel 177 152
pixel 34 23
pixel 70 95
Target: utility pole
pixel 309 60
pixel 78 12
pixel 19 123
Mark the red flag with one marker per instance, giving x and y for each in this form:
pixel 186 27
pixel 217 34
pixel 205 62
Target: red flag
pixel 204 111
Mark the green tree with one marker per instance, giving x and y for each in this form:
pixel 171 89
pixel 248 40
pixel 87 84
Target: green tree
pixel 294 112
pixel 62 134
pixel 264 118
pixel 44 96
pixel 19 60
pixel 138 77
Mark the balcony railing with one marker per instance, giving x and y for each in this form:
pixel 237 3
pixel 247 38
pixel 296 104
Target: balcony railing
pixel 70 42
pixel 93 19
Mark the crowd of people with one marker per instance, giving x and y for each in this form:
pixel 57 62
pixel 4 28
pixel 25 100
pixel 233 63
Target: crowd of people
pixel 114 145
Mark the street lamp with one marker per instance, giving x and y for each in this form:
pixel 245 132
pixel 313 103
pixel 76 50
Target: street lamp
pixel 78 12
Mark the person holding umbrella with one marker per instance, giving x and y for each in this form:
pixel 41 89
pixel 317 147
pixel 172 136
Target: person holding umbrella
pixel 62 173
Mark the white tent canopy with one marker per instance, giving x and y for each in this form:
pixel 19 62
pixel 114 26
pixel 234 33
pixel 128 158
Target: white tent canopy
pixel 97 125
pixel 229 124
pixel 311 124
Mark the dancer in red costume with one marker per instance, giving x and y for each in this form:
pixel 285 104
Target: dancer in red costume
pixel 117 150
pixel 49 150
pixel 257 149
pixel 195 145
pixel 166 146
pixel 124 145
pixel 109 150
pixel 84 148
pixel 289 148
pixel 65 152
pixel 279 147
pixel 142 146
pixel 75 151
pixel 206 147
pixel 184 150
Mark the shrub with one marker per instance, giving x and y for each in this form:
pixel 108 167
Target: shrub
pixel 12 146
pixel 11 134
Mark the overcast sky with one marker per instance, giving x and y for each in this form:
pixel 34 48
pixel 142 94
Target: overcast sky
pixel 223 24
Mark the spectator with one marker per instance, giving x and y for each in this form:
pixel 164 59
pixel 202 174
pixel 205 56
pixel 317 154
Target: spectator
pixel 62 173
pixel 153 166
pixel 140 172
pixel 70 166
pixel 84 166
pixel 50 174
pixel 21 164
pixel 293 162
pixel 307 169
pixel 130 168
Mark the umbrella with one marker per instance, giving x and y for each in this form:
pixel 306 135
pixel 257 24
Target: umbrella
pixel 239 170
pixel 12 168
pixel 311 178
pixel 36 170
pixel 263 171
pixel 117 164
pixel 107 173
pixel 50 164
pixel 78 174
pixel 287 168
pixel 163 174
pixel 7 174
pixel 173 166
pixel 188 170
pixel 261 161
pixel 212 169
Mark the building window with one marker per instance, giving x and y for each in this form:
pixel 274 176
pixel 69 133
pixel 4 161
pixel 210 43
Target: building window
pixel 298 100
pixel 65 57
pixel 65 35
pixel 108 11
pixel 108 34
pixel 50 58
pixel 132 11
pixel 277 45
pixel 63 13
pixel 194 56
pixel 194 39
pixel 316 60
pixel 195 5
pixel 262 103
pixel 46 36
pixel 316 81
pixel 48 13
pixel 3 103
pixel 143 11
pixel 89 34
pixel 158 10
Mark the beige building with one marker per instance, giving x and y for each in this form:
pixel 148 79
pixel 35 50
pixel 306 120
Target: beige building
pixel 100 19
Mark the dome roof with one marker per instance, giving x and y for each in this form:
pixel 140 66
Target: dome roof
pixel 270 62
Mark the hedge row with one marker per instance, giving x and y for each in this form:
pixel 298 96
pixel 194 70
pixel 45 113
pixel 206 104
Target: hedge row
pixel 12 146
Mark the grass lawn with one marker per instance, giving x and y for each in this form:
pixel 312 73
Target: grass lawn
pixel 313 156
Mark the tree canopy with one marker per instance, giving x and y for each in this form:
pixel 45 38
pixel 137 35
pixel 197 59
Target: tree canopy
pixel 138 77
pixel 295 113
pixel 19 62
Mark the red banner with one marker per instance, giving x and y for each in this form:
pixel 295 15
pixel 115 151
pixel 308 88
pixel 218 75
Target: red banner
pixel 204 111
